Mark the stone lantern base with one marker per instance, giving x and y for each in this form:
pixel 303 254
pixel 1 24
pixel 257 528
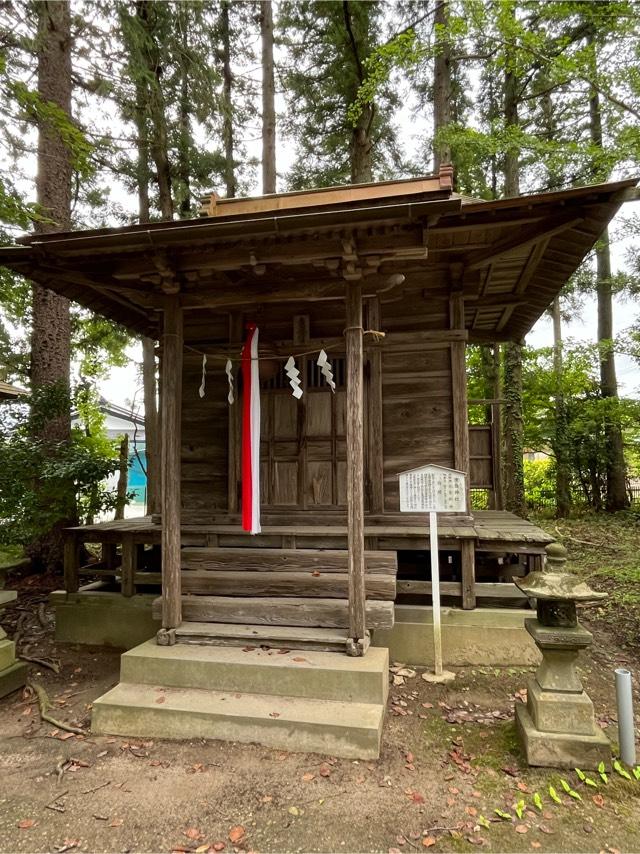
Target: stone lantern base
pixel 557 727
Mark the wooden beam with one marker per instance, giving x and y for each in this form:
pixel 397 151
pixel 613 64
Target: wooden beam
pixel 522 239
pixel 171 411
pixel 355 468
pixel 129 565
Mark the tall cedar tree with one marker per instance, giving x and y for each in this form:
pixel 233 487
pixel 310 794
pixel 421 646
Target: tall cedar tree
pixel 268 99
pixel 328 44
pixel 51 330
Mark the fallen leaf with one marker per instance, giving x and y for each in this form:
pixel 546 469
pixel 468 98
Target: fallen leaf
pixel 298 658
pixel 409 756
pixel 511 770
pixel 598 800
pixel 248 648
pixel 476 840
pixel 308 777
pixel 522 786
pixel 454 790
pixel 325 770
pixel 284 651
pixel 394 851
pixel 116 822
pixel 427 705
pixel 471 811
pixel 544 828
pixel 521 828
pixel 535 844
pixel 219 846
pixel 428 841
pixel 236 834
pixel 160 699
pixel 295 811
pixel 417 798
pixel 193 833
pixel 202 848
pixel 26 823
pixel 274 714
pixel 315 574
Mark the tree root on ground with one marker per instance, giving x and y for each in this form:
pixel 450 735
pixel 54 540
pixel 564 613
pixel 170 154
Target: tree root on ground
pixel 44 704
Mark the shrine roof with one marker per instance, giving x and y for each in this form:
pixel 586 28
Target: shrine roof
pixel 509 257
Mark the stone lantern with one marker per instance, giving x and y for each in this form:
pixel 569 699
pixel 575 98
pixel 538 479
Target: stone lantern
pixel 557 727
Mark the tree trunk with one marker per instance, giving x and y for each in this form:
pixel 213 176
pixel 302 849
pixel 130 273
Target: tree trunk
pixel 361 146
pixel 184 116
pixel 560 442
pixel 123 478
pixel 513 416
pixel 616 492
pixel 268 99
pixel 441 84
pixel 158 140
pixel 51 329
pixel 227 116
pixel 513 430
pixel 149 382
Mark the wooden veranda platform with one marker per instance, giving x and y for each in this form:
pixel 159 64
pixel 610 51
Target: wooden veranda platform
pixel 477 545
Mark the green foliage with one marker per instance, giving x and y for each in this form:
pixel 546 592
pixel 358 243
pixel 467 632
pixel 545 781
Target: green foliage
pixel 35 474
pixel 539 483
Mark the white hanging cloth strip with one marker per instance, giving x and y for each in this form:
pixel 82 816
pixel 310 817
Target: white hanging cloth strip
pixel 204 375
pixel 294 377
pixel 326 370
pixel 229 371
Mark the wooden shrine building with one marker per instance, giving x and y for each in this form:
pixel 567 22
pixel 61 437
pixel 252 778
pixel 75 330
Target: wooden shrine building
pixel 325 269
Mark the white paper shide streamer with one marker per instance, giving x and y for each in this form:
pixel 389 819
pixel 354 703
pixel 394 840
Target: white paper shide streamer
pixel 229 371
pixel 204 375
pixel 326 370
pixel 294 377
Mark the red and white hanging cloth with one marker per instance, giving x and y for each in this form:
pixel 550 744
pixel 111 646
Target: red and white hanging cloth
pixel 251 432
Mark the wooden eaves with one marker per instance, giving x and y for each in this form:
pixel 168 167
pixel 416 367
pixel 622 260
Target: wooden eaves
pixel 507 258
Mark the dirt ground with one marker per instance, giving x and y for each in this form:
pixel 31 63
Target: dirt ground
pixel 450 759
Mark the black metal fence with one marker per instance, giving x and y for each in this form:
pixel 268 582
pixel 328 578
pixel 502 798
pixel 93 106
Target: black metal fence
pixel 481 500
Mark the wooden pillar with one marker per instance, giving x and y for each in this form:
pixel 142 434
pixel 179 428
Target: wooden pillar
pixel 461 441
pixel 234 426
pixel 171 411
pixel 375 465
pixel 129 566
pixel 355 469
pixel 71 562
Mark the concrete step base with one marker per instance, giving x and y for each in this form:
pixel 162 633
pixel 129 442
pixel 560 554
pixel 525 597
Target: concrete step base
pixel 13 677
pixel 347 729
pixel 309 674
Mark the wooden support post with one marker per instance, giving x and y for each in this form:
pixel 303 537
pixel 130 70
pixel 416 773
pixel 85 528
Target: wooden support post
pixel 109 555
pixel 375 467
pixel 71 562
pixel 171 407
pixel 467 557
pixel 355 469
pixel 459 388
pixel 234 427
pixel 129 566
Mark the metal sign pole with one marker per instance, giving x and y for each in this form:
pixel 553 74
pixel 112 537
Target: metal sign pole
pixel 439 675
pixel 435 592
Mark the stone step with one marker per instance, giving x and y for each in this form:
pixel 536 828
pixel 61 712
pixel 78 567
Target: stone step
pixel 347 729
pixel 276 637
pixel 303 673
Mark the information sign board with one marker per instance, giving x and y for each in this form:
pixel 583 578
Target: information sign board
pixel 432 489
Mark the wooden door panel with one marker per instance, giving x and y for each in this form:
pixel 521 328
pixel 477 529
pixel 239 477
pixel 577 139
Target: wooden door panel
pixel 319 480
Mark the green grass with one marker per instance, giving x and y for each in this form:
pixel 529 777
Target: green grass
pixel 9 555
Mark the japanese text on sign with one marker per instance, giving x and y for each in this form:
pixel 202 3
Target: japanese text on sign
pixel 432 488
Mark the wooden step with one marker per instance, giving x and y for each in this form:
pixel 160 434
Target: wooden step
pixel 285 560
pixel 270 637
pixel 280 611
pixel 333 585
